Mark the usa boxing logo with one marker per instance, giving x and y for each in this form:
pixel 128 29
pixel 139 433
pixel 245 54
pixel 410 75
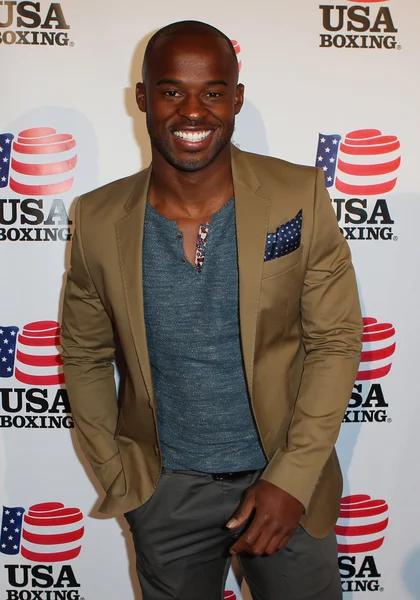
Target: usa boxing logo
pixel 36 166
pixel 368 402
pixel 360 531
pixel 47 534
pixel 358 25
pixel 31 371
pixel 360 169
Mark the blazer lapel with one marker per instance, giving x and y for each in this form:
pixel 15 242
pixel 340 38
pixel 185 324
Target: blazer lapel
pixel 130 247
pixel 252 214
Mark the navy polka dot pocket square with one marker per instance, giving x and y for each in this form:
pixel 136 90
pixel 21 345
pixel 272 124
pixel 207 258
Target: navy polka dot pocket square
pixel 285 239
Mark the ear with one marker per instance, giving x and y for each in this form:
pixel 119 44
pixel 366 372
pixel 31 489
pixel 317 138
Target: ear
pixel 141 96
pixel 239 97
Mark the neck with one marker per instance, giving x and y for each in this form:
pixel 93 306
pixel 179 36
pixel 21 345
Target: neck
pixel 203 191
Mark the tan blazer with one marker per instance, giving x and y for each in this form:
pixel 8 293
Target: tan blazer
pixel 300 328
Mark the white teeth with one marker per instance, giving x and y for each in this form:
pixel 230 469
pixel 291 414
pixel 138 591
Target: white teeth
pixel 190 136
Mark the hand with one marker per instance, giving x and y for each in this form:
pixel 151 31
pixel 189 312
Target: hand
pixel 276 518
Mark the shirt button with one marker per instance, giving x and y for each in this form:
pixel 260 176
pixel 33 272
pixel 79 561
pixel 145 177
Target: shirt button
pixel 179 236
pixel 183 261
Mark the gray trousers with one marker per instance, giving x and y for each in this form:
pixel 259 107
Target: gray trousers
pixel 182 546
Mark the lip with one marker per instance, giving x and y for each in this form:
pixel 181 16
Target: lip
pixel 193 129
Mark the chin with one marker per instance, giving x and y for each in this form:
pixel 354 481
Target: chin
pixel 190 166
pixel 189 162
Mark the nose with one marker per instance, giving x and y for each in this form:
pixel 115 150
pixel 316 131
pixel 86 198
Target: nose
pixel 192 108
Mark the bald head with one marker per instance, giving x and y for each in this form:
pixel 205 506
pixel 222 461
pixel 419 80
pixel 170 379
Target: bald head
pixel 186 29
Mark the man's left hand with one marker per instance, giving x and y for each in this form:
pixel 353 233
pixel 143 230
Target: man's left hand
pixel 276 518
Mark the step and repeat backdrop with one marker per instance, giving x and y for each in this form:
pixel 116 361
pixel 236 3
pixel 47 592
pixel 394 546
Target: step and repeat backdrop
pixel 332 85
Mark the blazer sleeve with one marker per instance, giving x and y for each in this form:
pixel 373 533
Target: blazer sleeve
pixel 88 354
pixel 331 330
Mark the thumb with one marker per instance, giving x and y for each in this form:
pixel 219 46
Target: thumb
pixel 243 513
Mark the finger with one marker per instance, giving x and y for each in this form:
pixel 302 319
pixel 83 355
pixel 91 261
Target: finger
pixel 286 535
pixel 284 542
pixel 243 513
pixel 241 545
pixel 259 526
pixel 270 530
pixel 259 547
pixel 277 543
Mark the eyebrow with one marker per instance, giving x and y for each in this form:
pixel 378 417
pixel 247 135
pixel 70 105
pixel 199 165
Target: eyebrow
pixel 179 82
pixel 169 82
pixel 217 82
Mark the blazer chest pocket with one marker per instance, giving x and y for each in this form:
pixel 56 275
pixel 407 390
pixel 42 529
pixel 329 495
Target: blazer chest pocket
pixel 282 264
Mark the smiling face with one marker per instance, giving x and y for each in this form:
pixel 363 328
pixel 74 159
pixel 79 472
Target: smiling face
pixel 190 96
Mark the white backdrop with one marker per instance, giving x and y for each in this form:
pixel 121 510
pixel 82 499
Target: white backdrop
pixel 68 72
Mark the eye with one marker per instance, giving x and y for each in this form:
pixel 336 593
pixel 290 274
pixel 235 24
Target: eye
pixel 171 93
pixel 214 94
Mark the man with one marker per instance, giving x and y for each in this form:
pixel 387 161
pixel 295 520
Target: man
pixel 231 291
